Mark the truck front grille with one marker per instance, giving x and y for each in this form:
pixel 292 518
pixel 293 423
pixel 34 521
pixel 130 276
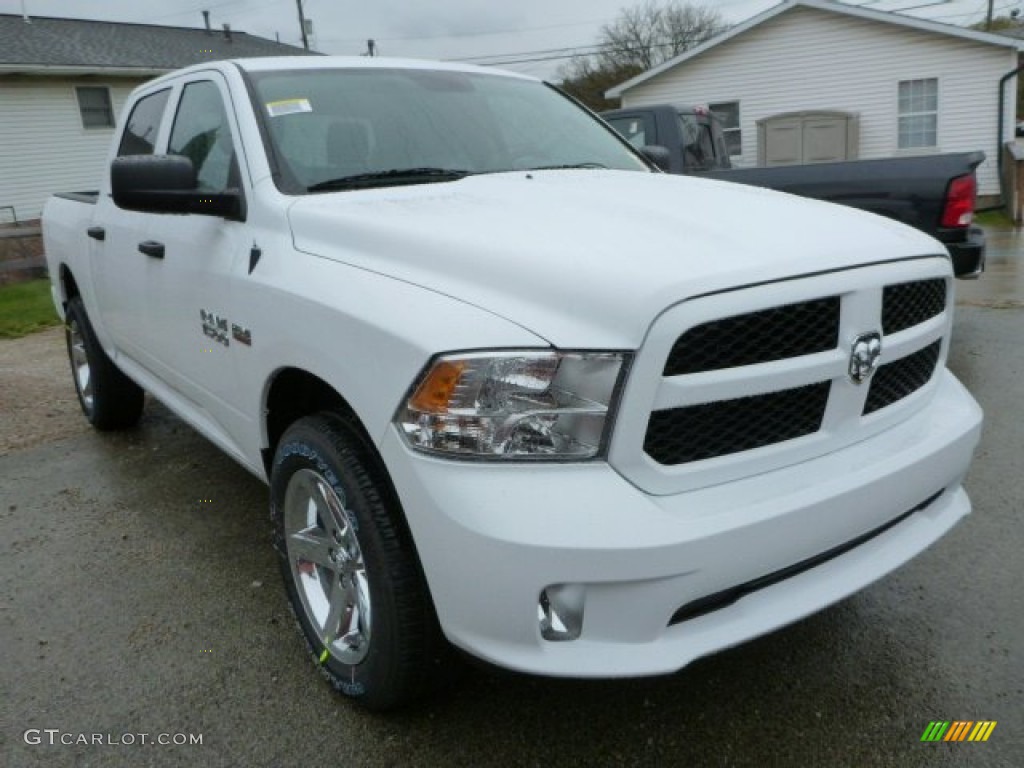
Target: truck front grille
pixel 905 305
pixel 757 337
pixel 894 381
pixel 709 430
pixel 734 383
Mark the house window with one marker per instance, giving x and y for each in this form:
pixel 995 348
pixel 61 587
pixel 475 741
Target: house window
pixel 728 114
pixel 918 113
pixel 94 104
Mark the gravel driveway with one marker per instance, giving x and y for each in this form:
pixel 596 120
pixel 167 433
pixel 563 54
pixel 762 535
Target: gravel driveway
pixel 37 397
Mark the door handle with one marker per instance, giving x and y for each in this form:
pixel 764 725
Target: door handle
pixel 96 233
pixel 152 248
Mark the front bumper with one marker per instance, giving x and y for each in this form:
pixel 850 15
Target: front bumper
pixel 491 537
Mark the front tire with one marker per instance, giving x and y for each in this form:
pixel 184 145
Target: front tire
pixel 350 567
pixel 109 399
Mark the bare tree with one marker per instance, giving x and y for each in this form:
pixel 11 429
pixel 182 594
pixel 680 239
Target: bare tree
pixel 635 37
pixel 650 33
pixel 640 38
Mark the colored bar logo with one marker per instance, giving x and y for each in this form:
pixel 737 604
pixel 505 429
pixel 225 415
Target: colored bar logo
pixel 958 730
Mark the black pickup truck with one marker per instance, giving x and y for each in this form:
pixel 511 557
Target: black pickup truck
pixel 934 193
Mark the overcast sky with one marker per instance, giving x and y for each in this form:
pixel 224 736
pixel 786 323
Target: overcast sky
pixel 439 29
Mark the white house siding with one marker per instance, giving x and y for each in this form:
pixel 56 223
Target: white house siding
pixel 43 146
pixel 806 59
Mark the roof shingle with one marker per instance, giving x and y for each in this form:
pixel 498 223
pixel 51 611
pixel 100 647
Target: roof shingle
pixel 51 42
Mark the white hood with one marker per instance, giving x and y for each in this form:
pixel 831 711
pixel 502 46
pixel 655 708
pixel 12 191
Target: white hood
pixel 589 258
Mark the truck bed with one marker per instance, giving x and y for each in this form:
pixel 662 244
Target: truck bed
pixel 89 197
pixel 909 189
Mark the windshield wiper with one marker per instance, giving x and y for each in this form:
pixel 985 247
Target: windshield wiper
pixel 566 167
pixel 393 177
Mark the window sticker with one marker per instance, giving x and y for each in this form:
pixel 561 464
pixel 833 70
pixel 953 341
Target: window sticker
pixel 288 107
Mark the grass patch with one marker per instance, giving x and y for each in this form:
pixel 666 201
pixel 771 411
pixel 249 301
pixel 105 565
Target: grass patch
pixel 994 218
pixel 26 307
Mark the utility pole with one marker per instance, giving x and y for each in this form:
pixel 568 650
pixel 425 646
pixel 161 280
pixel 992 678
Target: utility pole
pixel 988 19
pixel 302 25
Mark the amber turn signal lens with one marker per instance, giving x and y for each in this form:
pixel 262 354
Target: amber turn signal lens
pixel 436 390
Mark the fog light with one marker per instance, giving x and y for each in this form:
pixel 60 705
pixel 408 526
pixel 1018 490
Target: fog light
pixel 560 612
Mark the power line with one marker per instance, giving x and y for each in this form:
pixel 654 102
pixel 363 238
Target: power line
pixel 915 7
pixel 469 34
pixel 980 10
pixel 962 15
pixel 571 50
pixel 571 55
pixel 565 49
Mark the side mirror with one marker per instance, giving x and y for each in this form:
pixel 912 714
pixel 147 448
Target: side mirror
pixel 167 184
pixel 658 155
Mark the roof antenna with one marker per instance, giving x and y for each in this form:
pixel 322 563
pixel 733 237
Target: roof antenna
pixel 24 13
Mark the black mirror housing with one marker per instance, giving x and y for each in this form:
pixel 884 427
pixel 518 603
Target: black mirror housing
pixel 167 184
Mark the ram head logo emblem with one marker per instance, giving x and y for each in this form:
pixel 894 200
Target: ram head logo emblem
pixel 867 348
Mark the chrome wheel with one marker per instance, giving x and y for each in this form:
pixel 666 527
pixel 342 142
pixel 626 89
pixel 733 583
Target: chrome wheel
pixel 327 566
pixel 80 363
pixel 109 399
pixel 337 528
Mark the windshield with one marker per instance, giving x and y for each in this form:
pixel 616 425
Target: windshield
pixel 328 125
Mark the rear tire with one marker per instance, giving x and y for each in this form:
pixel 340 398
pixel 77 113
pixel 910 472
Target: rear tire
pixel 109 399
pixel 350 567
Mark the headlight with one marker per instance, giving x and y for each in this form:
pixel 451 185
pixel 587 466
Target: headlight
pixel 514 405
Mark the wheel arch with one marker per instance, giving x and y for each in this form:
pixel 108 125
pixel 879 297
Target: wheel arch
pixel 290 394
pixel 293 393
pixel 68 285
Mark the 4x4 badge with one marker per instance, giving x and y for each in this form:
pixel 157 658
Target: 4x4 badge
pixel 867 348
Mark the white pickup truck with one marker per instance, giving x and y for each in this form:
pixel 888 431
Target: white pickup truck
pixel 513 390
